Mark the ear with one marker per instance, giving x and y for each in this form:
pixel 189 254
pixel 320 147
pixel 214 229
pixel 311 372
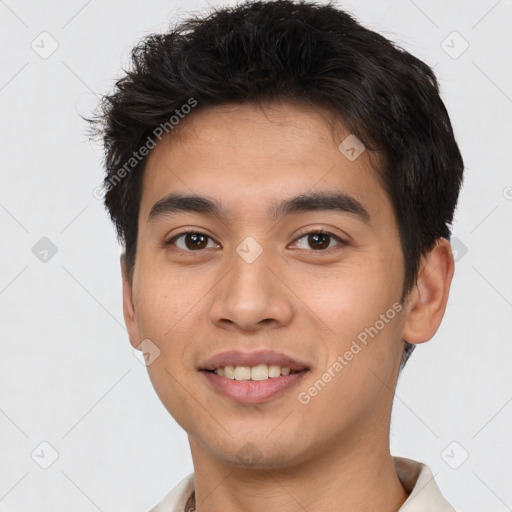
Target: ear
pixel 130 317
pixel 426 303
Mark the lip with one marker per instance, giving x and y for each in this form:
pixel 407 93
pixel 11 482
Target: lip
pixel 252 391
pixel 254 358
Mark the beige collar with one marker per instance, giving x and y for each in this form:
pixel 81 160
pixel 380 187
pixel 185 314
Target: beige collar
pixel 416 478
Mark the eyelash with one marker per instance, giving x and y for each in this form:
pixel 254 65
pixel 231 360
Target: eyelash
pixel 340 241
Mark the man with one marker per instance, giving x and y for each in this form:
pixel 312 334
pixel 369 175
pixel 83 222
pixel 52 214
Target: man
pixel 283 181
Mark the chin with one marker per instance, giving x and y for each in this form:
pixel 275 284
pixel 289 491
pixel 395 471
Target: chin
pixel 259 453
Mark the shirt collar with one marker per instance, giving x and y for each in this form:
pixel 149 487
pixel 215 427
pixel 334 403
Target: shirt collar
pixel 416 478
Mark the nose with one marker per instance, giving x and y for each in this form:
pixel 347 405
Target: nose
pixel 252 296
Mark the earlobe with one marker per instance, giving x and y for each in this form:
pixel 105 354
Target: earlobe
pixel 426 303
pixel 130 317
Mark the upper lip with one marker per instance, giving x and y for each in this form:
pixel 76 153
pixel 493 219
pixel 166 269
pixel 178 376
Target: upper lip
pixel 255 358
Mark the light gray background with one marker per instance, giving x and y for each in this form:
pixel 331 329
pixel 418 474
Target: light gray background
pixel 67 372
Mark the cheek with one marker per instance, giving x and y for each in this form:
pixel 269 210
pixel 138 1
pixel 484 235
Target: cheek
pixel 360 305
pixel 168 309
pixel 350 298
pixel 165 299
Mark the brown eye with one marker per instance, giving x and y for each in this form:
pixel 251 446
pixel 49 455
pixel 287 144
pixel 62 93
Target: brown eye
pixel 192 241
pixel 319 240
pixel 195 241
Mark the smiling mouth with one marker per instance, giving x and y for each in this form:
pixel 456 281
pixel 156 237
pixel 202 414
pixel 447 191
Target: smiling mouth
pixel 252 377
pixel 253 373
pixel 240 386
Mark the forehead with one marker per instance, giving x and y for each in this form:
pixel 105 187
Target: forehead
pixel 247 155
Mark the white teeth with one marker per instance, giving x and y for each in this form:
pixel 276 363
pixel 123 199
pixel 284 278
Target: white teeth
pixel 229 372
pixel 259 372
pixel 274 370
pixel 242 373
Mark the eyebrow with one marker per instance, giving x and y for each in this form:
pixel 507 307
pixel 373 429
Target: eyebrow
pixel 339 202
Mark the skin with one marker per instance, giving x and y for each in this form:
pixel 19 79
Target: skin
pixel 329 454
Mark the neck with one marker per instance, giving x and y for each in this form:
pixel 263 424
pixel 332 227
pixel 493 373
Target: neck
pixel 343 478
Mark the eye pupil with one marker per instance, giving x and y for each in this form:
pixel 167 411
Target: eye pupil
pixel 319 236
pixel 194 237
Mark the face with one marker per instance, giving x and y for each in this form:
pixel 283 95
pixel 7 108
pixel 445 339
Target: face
pixel 315 286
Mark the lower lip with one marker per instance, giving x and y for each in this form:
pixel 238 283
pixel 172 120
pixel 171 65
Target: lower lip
pixel 252 391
